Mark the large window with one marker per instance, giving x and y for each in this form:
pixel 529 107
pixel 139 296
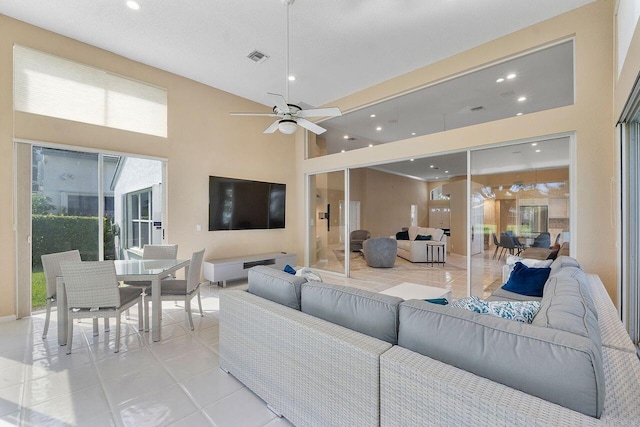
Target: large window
pixel 52 86
pixel 139 221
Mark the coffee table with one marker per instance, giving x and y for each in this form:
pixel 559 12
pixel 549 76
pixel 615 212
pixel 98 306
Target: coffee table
pixel 408 290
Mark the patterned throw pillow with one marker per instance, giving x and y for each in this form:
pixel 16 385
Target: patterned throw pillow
pixel 472 303
pixel 520 311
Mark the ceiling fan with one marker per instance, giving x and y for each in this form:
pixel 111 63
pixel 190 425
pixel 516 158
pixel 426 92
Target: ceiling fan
pixel 290 116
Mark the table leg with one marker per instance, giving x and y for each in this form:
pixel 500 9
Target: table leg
pixel 156 303
pixel 61 311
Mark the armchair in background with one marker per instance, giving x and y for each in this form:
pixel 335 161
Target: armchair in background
pixel 356 238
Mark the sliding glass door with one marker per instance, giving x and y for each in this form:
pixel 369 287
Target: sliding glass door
pixel 521 196
pixel 106 206
pixel 327 246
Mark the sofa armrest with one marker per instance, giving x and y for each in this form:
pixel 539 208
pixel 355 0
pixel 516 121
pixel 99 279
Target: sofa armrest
pixel 415 389
pixel 308 369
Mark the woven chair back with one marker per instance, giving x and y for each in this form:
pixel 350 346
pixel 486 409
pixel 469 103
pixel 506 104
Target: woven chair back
pixel 195 268
pixel 91 284
pixel 51 267
pixel 160 252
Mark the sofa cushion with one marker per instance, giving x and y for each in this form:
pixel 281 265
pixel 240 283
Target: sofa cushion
pixel 502 295
pixel 275 285
pixel 435 233
pixel 555 365
pixel 368 312
pixel 527 280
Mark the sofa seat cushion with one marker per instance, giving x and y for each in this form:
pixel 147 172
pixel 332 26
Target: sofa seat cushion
pixel 368 312
pixel 276 285
pixel 555 365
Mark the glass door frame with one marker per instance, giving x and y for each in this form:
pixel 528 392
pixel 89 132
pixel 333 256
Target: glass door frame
pixel 22 210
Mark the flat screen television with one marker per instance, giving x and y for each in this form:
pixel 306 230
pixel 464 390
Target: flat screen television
pixel 240 204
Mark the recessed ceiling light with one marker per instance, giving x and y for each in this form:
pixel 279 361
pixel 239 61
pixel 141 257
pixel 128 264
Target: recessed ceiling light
pixel 411 160
pixel 346 137
pixel 446 171
pixel 373 115
pixel 519 114
pixel 533 144
pixel 133 5
pixel 431 166
pixel 413 134
pixel 511 76
pixel 370 145
pixel 292 78
pixel 343 151
pixel 436 177
pixel 500 80
pixel 378 128
pixel 522 98
pixel 537 151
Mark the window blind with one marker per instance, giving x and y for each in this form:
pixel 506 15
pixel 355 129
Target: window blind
pixel 56 87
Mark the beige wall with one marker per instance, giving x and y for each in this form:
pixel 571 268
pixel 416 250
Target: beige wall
pixel 589 119
pixel 386 199
pixel 202 140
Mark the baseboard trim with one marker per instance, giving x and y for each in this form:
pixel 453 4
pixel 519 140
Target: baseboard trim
pixel 7 318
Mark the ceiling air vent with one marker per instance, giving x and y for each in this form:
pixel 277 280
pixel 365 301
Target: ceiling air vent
pixel 477 108
pixel 257 56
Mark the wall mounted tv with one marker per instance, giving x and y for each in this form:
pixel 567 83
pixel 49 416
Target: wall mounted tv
pixel 239 204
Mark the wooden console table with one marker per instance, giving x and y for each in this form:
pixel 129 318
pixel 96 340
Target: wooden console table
pixel 221 270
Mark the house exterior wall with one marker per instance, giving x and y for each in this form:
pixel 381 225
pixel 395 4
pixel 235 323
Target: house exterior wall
pixel 589 119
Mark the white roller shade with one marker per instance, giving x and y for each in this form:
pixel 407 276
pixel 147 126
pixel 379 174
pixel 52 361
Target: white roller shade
pixel 52 86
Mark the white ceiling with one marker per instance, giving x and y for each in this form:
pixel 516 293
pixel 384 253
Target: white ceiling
pixel 337 47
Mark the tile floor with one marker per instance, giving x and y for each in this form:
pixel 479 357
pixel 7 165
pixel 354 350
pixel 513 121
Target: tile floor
pixel 176 381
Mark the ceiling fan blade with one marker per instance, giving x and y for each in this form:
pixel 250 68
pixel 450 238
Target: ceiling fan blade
pixel 254 114
pixel 320 112
pixel 281 103
pixel 273 127
pixel 310 126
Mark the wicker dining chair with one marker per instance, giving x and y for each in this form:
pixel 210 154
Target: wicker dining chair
pixel 152 252
pixel 93 292
pixel 51 267
pixel 182 290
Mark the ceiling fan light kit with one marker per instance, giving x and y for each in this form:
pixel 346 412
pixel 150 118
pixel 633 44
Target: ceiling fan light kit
pixel 290 115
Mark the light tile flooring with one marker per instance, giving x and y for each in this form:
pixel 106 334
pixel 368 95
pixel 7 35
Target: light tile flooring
pixel 176 381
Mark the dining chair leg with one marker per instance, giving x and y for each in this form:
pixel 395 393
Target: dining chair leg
pixel 46 319
pixel 95 327
pixel 117 332
pixel 146 313
pixel 200 304
pixel 69 335
pixel 140 315
pixel 495 252
pixel 187 306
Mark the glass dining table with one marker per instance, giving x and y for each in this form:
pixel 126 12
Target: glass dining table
pixel 152 270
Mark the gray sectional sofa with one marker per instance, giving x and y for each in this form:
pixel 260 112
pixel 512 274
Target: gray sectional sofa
pixel 322 354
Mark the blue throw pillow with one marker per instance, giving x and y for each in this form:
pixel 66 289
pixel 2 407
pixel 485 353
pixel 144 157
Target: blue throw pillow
pixel 421 237
pixel 402 235
pixel 439 301
pixel 527 281
pixel 289 269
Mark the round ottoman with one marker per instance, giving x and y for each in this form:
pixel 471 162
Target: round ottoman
pixel 380 252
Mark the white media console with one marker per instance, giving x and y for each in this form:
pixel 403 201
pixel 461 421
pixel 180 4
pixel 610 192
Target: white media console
pixel 221 270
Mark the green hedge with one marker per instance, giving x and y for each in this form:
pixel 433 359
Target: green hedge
pixel 64 233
